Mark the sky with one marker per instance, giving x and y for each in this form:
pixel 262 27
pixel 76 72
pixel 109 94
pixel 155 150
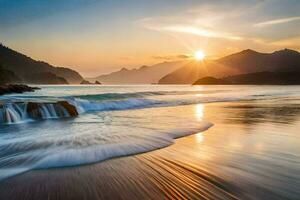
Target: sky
pixel 100 36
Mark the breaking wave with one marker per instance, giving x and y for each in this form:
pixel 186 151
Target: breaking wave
pixel 15 110
pixel 48 150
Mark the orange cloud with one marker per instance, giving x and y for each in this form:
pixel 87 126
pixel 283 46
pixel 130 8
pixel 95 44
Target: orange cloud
pixel 277 21
pixel 172 57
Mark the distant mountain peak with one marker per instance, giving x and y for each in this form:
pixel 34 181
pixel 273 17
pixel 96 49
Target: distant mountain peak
pixel 144 67
pixel 286 51
pixel 141 75
pixel 244 53
pixel 124 69
pixel 248 51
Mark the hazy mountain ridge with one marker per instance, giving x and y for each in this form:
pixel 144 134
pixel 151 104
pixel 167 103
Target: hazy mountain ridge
pixel 24 66
pixel 247 61
pixel 142 75
pixel 194 70
pixel 19 68
pixel 251 61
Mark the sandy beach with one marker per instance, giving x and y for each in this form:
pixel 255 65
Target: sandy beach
pixel 238 158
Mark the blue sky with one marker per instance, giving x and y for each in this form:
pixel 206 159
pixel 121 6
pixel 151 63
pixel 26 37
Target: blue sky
pixel 98 36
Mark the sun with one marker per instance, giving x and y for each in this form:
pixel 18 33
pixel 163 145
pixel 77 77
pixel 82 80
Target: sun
pixel 199 55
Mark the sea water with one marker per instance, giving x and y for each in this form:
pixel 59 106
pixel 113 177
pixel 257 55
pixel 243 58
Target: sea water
pixel 113 121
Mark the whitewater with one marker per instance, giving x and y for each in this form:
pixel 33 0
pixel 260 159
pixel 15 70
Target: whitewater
pixel 112 121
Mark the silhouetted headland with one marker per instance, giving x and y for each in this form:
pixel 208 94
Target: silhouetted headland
pixel 30 71
pixel 258 78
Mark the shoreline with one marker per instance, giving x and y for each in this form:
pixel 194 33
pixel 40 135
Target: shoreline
pixel 151 175
pixel 208 165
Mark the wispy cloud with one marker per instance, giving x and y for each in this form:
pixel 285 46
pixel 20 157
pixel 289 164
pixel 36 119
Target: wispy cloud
pixel 189 27
pixel 172 57
pixel 201 32
pixel 218 25
pixel 277 21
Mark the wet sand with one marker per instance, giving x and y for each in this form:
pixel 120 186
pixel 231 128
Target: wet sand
pixel 251 152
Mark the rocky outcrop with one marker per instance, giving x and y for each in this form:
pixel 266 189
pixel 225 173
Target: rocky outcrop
pixel 8 89
pixel 34 110
pixel 37 110
pixel 85 82
pixel 69 107
pixel 12 112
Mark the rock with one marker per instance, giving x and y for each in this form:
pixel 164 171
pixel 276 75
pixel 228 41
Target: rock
pixel 85 82
pixel 69 107
pixel 97 83
pixel 36 110
pixel 8 89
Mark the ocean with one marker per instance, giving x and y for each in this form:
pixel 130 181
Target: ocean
pixel 116 121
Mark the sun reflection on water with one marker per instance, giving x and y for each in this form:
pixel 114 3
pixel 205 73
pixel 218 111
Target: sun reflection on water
pixel 199 112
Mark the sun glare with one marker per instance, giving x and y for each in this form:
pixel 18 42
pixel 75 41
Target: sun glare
pixel 199 55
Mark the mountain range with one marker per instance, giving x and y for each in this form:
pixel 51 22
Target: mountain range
pixel 188 71
pixel 247 61
pixel 21 68
pixel 142 75
pixel 16 67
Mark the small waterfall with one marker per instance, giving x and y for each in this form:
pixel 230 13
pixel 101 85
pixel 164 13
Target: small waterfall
pixel 15 112
pixel 12 113
pixel 52 111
